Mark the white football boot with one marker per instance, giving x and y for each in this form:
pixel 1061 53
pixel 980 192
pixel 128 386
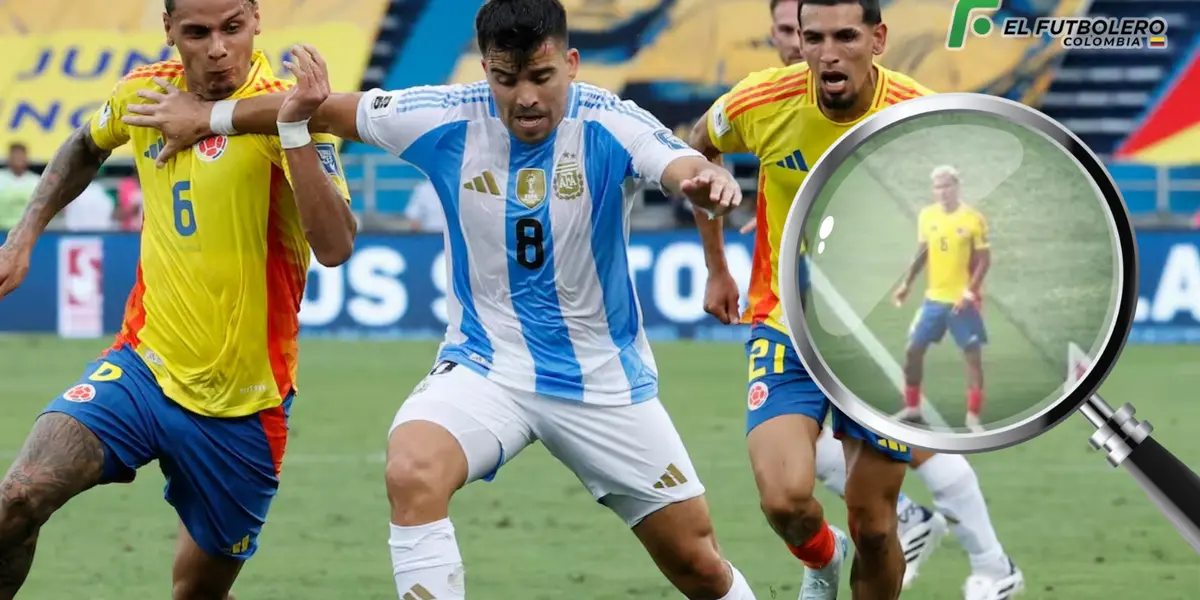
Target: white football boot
pixel 822 584
pixel 982 587
pixel 921 531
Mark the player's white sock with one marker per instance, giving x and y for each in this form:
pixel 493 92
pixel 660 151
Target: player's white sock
pixel 957 495
pixel 740 590
pixel 831 462
pixel 426 562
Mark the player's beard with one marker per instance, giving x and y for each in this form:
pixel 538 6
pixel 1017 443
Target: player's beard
pixel 840 102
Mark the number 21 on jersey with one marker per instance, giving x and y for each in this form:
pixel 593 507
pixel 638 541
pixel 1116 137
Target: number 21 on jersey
pixel 182 208
pixel 766 357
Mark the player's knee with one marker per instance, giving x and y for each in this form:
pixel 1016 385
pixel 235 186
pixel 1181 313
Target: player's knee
pixel 789 505
pixel 22 510
pixel 424 467
pixel 872 527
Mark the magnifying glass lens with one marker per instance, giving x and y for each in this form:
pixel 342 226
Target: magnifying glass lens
pixel 954 260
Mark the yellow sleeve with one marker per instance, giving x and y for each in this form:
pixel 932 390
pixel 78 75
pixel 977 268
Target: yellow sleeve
pixel 921 220
pixel 331 161
pixel 980 240
pixel 728 126
pixel 105 125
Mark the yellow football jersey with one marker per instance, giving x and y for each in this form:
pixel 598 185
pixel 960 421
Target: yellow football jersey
pixel 774 115
pixel 223 260
pixel 953 238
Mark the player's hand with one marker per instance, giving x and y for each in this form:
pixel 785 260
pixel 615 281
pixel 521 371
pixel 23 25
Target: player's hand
pixel 14 265
pixel 968 299
pixel 721 298
pixel 312 85
pixel 713 189
pixel 900 295
pixel 182 117
pixel 748 227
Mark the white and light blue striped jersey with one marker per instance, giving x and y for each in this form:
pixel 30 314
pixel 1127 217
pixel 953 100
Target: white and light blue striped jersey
pixel 541 298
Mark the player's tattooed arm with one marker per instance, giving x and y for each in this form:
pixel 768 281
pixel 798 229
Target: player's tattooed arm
pixel 72 168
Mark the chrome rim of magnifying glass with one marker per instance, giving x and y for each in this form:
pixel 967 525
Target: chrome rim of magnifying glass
pixel 1120 226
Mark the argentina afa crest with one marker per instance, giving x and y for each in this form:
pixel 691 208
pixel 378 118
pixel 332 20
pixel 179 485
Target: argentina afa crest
pixel 531 187
pixel 568 178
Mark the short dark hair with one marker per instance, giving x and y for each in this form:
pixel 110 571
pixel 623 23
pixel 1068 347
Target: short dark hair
pixel 775 4
pixel 15 146
pixel 169 5
pixel 519 27
pixel 872 15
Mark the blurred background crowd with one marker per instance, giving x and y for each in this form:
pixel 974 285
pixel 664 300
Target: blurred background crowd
pixel 1136 108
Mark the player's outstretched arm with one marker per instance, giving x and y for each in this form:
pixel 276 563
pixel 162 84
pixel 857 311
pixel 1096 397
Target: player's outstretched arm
pixel 184 119
pixel 72 168
pixel 710 187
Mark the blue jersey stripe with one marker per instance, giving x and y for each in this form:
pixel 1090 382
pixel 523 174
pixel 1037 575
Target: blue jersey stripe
pixel 531 274
pixel 604 169
pixel 439 154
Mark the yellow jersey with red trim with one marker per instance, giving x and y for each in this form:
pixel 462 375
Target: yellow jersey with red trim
pixel 774 115
pixel 224 260
pixel 952 239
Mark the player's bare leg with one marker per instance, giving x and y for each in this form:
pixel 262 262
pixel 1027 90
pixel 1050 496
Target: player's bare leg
pixel 974 359
pixel 61 459
pixel 679 537
pixel 783 457
pixel 425 466
pixel 872 489
pixel 914 374
pixel 921 528
pixel 198 575
pixel 957 495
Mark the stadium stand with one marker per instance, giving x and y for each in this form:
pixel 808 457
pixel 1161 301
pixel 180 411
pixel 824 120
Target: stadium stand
pixel 1129 106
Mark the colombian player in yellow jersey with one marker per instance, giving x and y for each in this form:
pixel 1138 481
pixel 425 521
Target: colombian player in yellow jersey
pixel 952 244
pixel 788 117
pixel 203 372
pixel 951 480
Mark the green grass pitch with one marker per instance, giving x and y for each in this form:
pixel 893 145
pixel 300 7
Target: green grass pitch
pixel 1053 262
pixel 1079 529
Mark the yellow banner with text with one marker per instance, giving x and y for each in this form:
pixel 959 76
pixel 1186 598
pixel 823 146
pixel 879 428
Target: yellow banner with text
pixel 50 85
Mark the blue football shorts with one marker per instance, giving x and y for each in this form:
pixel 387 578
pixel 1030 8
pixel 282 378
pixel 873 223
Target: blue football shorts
pixel 934 319
pixel 780 385
pixel 222 473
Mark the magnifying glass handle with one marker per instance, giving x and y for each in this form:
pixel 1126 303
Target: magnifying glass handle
pixel 1171 485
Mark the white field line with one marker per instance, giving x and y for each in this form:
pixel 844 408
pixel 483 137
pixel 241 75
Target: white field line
pixel 870 343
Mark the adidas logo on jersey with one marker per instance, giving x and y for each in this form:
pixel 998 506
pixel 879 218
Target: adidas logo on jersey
pixel 483 183
pixel 794 162
pixel 152 152
pixel 671 478
pixel 418 592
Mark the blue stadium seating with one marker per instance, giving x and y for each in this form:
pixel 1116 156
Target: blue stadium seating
pixel 645 49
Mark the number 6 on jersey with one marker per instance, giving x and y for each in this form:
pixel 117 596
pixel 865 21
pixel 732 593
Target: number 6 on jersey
pixel 181 206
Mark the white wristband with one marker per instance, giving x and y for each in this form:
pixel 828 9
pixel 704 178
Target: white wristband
pixel 294 135
pixel 221 120
pixel 969 295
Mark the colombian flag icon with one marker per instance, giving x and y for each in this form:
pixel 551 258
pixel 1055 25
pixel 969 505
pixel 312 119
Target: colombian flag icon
pixel 1158 42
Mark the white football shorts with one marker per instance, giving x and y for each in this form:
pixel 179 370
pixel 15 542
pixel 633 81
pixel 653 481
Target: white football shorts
pixel 629 457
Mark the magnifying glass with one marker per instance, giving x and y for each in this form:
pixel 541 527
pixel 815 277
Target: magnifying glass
pixel 972 279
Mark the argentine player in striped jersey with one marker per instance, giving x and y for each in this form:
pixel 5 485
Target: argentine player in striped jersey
pixel 545 340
